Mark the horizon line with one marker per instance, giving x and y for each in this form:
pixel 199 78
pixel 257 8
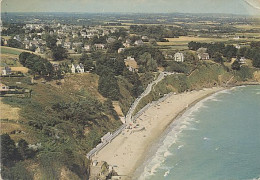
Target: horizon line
pixel 218 13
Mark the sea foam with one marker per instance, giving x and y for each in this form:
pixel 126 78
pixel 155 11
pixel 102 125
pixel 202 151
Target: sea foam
pixel 184 122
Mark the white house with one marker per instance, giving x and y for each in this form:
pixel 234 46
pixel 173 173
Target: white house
pixel 99 46
pixel 77 68
pixel 87 47
pixel 238 46
pixel 121 50
pixel 6 71
pixel 178 57
pixel 139 43
pixel 203 56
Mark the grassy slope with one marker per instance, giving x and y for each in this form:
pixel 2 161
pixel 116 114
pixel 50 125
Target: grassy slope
pixel 14 51
pixel 206 75
pixel 74 88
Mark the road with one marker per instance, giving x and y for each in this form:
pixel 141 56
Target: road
pixel 129 116
pixel 130 112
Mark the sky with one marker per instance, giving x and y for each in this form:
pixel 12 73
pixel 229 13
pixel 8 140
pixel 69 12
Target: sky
pixel 251 7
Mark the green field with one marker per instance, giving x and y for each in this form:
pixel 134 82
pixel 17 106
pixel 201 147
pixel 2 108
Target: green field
pixel 9 50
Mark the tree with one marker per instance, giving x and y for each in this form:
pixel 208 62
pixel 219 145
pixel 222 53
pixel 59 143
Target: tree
pixel 235 65
pixel 114 46
pixel 256 60
pixel 108 86
pixel 51 41
pixel 9 152
pixel 24 150
pixel 151 65
pixel 17 172
pixel 23 56
pixel 59 53
pixel 218 58
pixel 148 62
pixel 14 43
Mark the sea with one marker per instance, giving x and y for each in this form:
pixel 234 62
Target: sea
pixel 216 139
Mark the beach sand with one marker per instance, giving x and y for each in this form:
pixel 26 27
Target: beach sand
pixel 128 150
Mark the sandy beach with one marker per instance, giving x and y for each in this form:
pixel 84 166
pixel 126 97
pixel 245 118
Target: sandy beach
pixel 128 150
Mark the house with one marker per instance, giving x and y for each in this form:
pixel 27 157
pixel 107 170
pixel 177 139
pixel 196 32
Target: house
pixel 5 42
pixel 139 43
pixel 121 50
pixel 127 43
pixel 39 50
pixel 99 169
pixel 203 56
pixel 242 60
pixel 3 87
pixel 131 64
pixel 238 46
pixel 83 34
pixel 77 68
pixel 6 71
pixel 99 46
pixel 56 67
pixel 67 45
pixel 145 38
pixel 178 57
pixel 59 43
pixel 110 40
pixel 17 37
pixel 87 47
pixel 77 44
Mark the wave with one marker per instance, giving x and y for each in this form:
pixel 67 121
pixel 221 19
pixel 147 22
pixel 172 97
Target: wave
pixel 166 173
pixel 171 137
pixel 257 178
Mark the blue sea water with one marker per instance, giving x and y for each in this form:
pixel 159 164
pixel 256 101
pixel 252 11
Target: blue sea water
pixel 217 139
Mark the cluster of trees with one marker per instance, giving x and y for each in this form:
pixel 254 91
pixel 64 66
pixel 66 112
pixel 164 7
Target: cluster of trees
pixel 107 68
pixel 87 62
pixel 158 32
pixel 12 155
pixel 220 50
pixel 14 43
pixel 13 29
pixel 37 64
pixel 98 40
pixel 216 50
pixel 58 52
pixel 85 112
pixel 114 46
pixel 42 67
pixel 136 52
pixel 147 63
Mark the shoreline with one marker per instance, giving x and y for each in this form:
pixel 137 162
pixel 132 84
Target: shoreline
pixel 129 150
pixel 154 145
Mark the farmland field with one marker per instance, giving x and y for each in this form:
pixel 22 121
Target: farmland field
pixel 182 41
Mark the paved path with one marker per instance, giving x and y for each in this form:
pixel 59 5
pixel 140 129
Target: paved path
pixel 128 116
pixel 145 93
